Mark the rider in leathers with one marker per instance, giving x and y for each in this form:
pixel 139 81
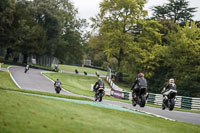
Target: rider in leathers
pixel 57 84
pixel 165 90
pixel 140 82
pixel 98 84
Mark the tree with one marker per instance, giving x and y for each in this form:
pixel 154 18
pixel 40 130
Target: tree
pixel 176 10
pixel 63 29
pixel 7 8
pixel 183 56
pixel 95 51
pixel 117 21
pixel 42 27
pixel 28 37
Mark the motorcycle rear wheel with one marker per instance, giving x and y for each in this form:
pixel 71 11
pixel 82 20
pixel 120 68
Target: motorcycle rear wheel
pixel 171 104
pixel 143 101
pixel 100 97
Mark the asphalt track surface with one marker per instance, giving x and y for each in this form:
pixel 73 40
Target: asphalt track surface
pixel 34 80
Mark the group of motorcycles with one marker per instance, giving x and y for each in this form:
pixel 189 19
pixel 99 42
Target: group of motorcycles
pixel 140 96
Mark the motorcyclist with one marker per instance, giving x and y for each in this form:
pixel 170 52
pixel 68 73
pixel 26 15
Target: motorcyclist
pixel 140 82
pixel 57 84
pixel 165 90
pixel 26 68
pixel 98 84
pixel 56 68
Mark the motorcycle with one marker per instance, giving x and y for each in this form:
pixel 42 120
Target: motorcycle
pixel 26 68
pixel 169 99
pixel 99 95
pixel 57 89
pixel 139 97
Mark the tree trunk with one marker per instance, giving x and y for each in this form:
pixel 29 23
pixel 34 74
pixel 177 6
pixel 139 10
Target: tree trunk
pixel 8 52
pixel 25 58
pixel 119 73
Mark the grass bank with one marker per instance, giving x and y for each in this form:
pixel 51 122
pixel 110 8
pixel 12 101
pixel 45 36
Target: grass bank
pixel 79 84
pixel 81 69
pixel 30 114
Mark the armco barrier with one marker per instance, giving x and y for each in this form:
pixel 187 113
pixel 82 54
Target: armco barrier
pixel 151 98
pixel 181 101
pixel 117 94
pixel 195 103
pixel 186 102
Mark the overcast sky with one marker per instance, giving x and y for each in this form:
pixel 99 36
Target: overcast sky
pixel 89 8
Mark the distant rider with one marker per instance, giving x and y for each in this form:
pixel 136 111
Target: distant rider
pixel 56 68
pixel 98 84
pixel 140 82
pixel 26 68
pixel 57 83
pixel 165 90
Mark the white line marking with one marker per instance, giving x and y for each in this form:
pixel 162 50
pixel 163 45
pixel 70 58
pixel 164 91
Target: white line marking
pixel 13 77
pixel 52 80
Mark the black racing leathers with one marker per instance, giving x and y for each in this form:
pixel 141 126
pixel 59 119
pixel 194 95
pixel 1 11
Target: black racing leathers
pixel 139 83
pixel 98 84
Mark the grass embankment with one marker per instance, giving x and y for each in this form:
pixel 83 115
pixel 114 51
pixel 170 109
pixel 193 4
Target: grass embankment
pixel 30 114
pixel 41 67
pixel 79 84
pixel 6 81
pixel 81 69
pixel 5 65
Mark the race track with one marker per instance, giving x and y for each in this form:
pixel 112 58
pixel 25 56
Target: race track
pixel 34 80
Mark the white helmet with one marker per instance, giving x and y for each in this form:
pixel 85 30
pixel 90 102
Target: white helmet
pixel 171 81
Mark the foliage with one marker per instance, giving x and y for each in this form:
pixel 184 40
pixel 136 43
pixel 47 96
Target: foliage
pixel 183 56
pixel 7 8
pixel 95 50
pixel 42 27
pixel 176 10
pixel 159 48
pixel 117 24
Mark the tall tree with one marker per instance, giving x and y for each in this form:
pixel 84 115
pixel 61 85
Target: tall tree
pixel 118 19
pixel 7 8
pixel 63 28
pixel 176 10
pixel 183 57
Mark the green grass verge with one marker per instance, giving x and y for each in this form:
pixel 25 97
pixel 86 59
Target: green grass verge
pixel 30 114
pixel 81 69
pixel 5 65
pixel 6 81
pixel 41 67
